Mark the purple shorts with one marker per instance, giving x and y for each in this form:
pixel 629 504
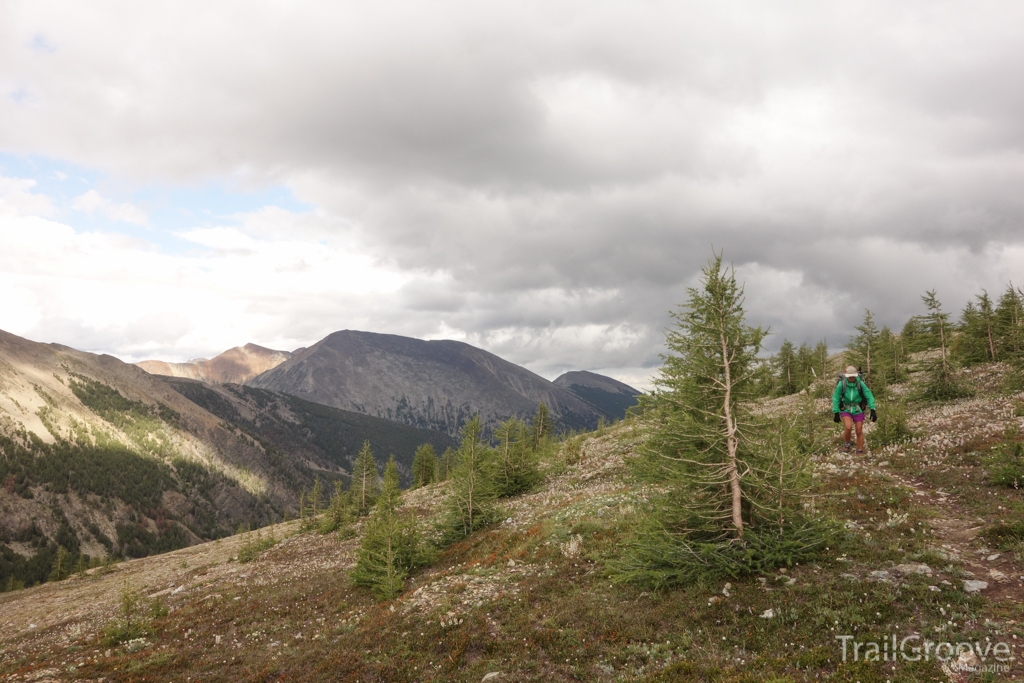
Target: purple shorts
pixel 859 417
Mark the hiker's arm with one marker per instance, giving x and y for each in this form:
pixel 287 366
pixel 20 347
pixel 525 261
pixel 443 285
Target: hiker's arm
pixel 869 396
pixel 835 397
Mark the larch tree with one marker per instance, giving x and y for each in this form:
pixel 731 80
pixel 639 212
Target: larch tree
pixel 364 480
pixel 390 546
pixel 938 324
pixel 517 465
pixel 539 430
pixel 733 486
pixel 861 346
pixel 785 368
pixel 424 466
pixel 472 491
pixel 706 376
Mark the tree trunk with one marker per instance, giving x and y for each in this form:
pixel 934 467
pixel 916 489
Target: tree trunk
pixel 732 443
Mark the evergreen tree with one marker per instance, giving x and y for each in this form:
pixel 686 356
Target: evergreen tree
pixel 472 491
pixel 314 503
pixel 942 384
pixel 518 467
pixel 987 319
pixel 541 426
pixel 937 322
pixel 804 366
pixel 364 480
pixel 733 503
pixel 391 544
pixel 424 466
pixel 916 336
pixel 61 565
pixel 1008 325
pixel 821 358
pixel 785 369
pixel 888 365
pixel 975 342
pixel 703 383
pixel 338 515
pixel 391 474
pixel 861 346
pixel 445 464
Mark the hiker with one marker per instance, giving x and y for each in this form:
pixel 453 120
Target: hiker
pixel 849 400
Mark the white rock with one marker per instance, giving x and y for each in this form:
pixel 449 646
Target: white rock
pixel 768 614
pixel 912 568
pixel 492 676
pixel 993 558
pixel 975 586
pixel 934 588
pixel 879 574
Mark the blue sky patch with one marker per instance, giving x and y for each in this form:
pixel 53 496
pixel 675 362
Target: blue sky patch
pixel 170 208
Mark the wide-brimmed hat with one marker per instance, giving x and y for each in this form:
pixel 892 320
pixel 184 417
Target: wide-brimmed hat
pixel 851 371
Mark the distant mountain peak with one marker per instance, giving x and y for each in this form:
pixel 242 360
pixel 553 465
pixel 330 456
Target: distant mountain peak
pixel 437 384
pixel 608 395
pixel 234 366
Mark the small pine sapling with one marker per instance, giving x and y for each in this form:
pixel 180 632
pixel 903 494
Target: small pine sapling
pixel 517 463
pixel 424 466
pixel 364 480
pixel 391 544
pixel 943 384
pixel 338 515
pixel 471 494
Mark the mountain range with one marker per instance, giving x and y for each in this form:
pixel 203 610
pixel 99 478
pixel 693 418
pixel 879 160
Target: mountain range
pixel 435 385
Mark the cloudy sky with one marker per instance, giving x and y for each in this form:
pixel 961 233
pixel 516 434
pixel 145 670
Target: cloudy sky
pixel 542 179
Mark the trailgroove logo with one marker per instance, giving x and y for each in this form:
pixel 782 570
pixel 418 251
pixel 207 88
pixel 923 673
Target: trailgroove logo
pixel 976 657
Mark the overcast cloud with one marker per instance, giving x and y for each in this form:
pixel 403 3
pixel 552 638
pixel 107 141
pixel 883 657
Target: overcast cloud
pixel 543 179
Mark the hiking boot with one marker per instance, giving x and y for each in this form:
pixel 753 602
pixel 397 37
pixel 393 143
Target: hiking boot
pixel 846 447
pixel 860 452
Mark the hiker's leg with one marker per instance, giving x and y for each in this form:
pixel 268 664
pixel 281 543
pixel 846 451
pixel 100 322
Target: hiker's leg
pixel 860 435
pixel 847 427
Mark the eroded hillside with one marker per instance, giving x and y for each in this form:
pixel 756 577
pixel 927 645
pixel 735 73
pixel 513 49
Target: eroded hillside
pixel 101 458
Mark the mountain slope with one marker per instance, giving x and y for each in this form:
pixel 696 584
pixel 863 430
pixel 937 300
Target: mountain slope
pixel 608 395
pixel 432 384
pixel 303 428
pixel 530 598
pixel 101 458
pixel 234 365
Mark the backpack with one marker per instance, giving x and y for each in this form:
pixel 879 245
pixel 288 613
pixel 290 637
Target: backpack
pixel 863 397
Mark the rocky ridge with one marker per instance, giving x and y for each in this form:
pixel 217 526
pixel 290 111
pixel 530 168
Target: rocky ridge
pixel 236 365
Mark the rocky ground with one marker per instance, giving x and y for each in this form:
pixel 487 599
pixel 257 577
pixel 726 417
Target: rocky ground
pixel 531 598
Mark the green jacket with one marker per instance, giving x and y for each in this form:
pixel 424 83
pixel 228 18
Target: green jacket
pixel 851 394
